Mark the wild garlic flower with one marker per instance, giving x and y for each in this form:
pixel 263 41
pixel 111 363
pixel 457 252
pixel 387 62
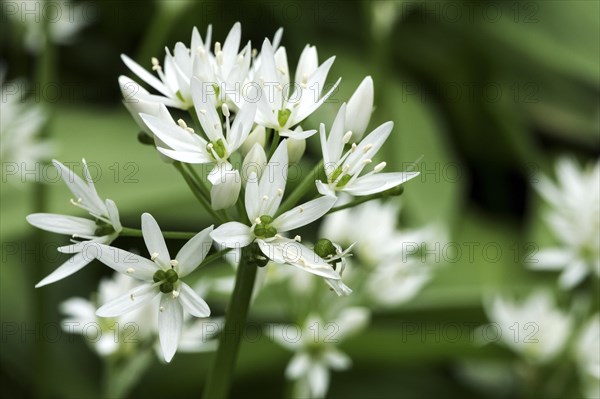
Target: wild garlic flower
pixel 20 125
pixel 187 146
pixel 344 170
pixel 262 199
pixel 161 276
pixel 359 109
pixel 283 105
pixel 109 335
pixel 315 353
pixel 103 230
pixel 534 328
pixel 173 82
pixel 574 218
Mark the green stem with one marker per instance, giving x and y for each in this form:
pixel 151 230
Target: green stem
pixel 213 257
pixel 357 201
pixel 274 143
pixel 174 235
pixel 197 191
pixel 219 379
pixel 301 189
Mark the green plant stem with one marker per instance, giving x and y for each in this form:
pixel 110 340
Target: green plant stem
pixel 197 191
pixel 213 257
pixel 274 143
pixel 174 235
pixel 360 200
pixel 301 189
pixel 219 379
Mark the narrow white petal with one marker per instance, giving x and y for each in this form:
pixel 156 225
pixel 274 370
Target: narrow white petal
pixel 204 96
pixel 304 214
pixel 80 189
pixel 186 156
pixel 193 252
pixel 134 299
pixel 378 182
pixel 74 264
pixel 170 324
pixel 336 360
pixel 295 254
pixel 307 64
pixel 335 141
pixel 360 107
pixel 191 301
pixel 62 224
pixel 173 135
pixel 225 194
pixel 573 274
pixel 318 380
pixel 298 366
pixel 324 189
pixel 252 197
pixel 550 259
pixel 145 75
pixel 113 215
pixel 232 44
pixel 154 239
pixel 232 235
pixel 272 182
pixel 122 261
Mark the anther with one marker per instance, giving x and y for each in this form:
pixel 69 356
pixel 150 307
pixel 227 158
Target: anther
pixel 347 137
pixel 162 308
pixel 367 148
pixel 154 255
pixel 298 238
pixel 257 221
pixel 175 294
pixel 353 147
pixel 203 111
pixel 225 110
pixel 367 161
pixel 130 270
pixel 379 167
pixel 174 263
pixel 279 192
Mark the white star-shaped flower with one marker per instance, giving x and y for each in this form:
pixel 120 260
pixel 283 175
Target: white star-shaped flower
pixel 161 276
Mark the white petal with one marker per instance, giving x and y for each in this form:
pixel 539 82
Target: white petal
pixel 240 129
pixel 324 189
pixel 298 366
pixel 191 301
pixel 339 287
pixel 550 259
pixel 205 101
pixel 62 224
pixel 80 189
pixel 185 156
pixel 113 215
pixel 272 182
pixel 574 273
pixel 191 255
pixel 336 360
pixel 134 299
pixel 375 140
pixel 225 194
pixel 307 64
pixel 170 324
pixel 174 135
pixel 360 107
pixel 350 321
pixel 335 141
pixel 318 380
pixel 122 261
pixel 154 240
pixel 378 182
pixel 297 134
pixel 145 75
pixel 304 214
pixel 74 264
pixel 232 235
pixel 296 254
pixel 232 44
pixel 252 197
pixel 83 245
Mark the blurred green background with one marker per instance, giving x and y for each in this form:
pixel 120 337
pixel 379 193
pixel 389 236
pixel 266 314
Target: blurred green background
pixel 489 93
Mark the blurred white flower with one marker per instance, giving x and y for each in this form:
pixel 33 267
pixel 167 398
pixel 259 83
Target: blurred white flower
pixel 20 125
pixel 281 104
pixel 344 170
pixel 534 328
pixel 587 356
pixel 574 218
pixel 161 277
pixel 64 18
pixel 263 197
pixel 109 335
pixel 395 282
pixel 84 232
pixel 315 352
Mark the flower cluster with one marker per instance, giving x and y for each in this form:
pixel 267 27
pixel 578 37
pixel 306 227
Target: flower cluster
pixel 246 122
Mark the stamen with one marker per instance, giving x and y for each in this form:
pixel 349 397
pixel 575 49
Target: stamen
pixel 254 52
pixel 353 147
pixel 347 137
pixel 367 161
pixel 155 64
pixel 130 270
pixel 182 123
pixel 298 238
pixel 367 148
pixel 203 111
pixel 174 263
pixel 217 47
pixel 161 309
pixel 379 167
pixel 175 294
pixel 265 198
pixel 281 70
pixel 201 51
pixel 257 220
pixel 225 110
pixel 154 255
pixel 279 192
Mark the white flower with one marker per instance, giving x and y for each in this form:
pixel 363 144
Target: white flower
pixel 262 200
pixel 575 221
pixel 162 277
pixel 281 105
pixel 104 230
pixel 173 81
pixel 359 109
pixel 315 351
pixel 395 282
pixel 587 355
pixel 20 124
pixel 108 336
pixel 186 146
pixel 535 328
pixel 344 170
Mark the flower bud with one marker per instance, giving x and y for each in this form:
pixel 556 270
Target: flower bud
pixel 359 109
pixel 226 186
pixel 257 136
pixel 255 161
pixel 295 149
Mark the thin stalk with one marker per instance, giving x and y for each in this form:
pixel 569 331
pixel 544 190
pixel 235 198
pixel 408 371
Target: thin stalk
pixel 219 379
pixel 197 192
pixel 213 257
pixel 301 189
pixel 174 235
pixel 274 143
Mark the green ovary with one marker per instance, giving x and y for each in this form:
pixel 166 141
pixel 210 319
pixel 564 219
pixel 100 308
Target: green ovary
pixel 167 279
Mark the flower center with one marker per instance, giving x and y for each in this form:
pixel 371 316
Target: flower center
pixel 283 115
pixel 103 229
pixel 325 248
pixel 166 278
pixel 263 228
pixel 217 149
